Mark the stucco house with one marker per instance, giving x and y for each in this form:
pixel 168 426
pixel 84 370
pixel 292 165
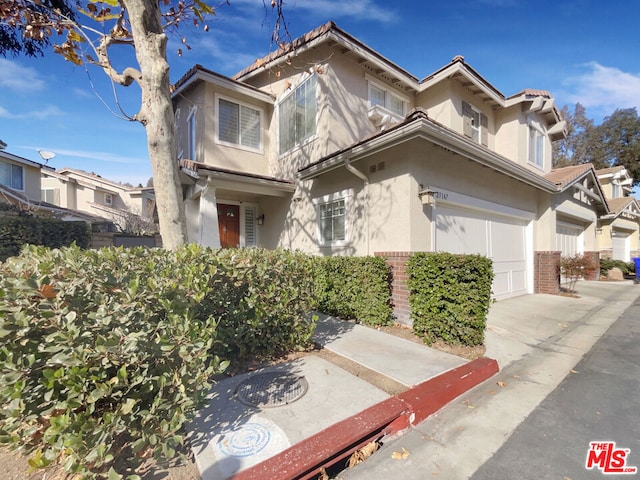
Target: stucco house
pixel 618 232
pixel 329 147
pixel 88 192
pixel 20 175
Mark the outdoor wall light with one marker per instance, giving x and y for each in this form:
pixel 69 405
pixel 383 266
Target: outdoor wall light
pixel 260 219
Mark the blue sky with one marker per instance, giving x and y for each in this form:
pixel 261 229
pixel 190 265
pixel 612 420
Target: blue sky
pixel 585 51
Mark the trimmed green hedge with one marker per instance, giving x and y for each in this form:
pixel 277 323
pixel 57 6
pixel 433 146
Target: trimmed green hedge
pixel 354 288
pixel 19 230
pixel 449 296
pixel 108 352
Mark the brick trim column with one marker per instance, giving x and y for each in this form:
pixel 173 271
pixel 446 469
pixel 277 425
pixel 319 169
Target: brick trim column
pixel 594 259
pixel 397 261
pixel 546 272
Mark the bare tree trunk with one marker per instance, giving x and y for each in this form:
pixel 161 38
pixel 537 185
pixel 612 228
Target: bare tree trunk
pixel 156 114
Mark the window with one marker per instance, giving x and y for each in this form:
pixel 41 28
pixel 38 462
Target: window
pixel 384 98
pixel 297 115
pixel 108 199
pixel 12 176
pixel 536 147
pixel 615 191
pixel 238 124
pixel 191 132
pixel 475 124
pixel 51 195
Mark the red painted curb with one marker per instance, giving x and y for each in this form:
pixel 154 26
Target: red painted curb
pixel 310 454
pixel 389 417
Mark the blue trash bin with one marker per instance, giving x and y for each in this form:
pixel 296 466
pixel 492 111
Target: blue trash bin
pixel 636 261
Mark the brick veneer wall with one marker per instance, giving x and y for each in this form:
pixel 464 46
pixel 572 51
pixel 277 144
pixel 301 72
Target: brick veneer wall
pixel 399 290
pixel 546 272
pixel 594 258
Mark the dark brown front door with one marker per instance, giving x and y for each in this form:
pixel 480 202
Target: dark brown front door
pixel 229 225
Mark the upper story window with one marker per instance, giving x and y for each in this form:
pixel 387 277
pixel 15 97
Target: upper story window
pixel 615 192
pixel 12 175
pixel 383 97
pixel 536 146
pixel 297 115
pixel 475 124
pixel 51 195
pixel 191 135
pixel 108 199
pixel 239 125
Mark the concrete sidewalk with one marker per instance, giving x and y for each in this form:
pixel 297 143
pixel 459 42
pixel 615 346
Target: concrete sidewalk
pixel 537 340
pixel 252 421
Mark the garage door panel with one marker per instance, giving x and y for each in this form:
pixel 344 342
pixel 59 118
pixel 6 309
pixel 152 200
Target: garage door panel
pixel 503 239
pixel 461 232
pixel 507 240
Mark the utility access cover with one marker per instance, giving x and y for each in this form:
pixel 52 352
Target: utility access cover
pixel 272 389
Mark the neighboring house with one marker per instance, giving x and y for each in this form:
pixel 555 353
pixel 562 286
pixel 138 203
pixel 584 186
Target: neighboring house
pixel 20 175
pixel 126 206
pixel 20 186
pixel 618 232
pixel 328 147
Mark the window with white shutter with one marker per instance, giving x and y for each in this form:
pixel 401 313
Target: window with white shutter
pixel 250 227
pixel 239 125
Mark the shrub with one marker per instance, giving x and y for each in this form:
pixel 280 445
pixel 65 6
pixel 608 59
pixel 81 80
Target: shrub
pixel 606 264
pixel 575 267
pixel 354 288
pixel 19 230
pixel 264 298
pixel 449 296
pixel 108 353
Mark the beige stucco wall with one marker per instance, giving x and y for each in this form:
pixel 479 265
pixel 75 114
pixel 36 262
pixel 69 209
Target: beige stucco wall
pixel 575 208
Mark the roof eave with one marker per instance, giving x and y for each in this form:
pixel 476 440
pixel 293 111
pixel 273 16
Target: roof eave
pixel 439 135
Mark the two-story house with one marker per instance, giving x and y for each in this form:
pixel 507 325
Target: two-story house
pixel 328 147
pixel 618 232
pixel 20 175
pixel 91 193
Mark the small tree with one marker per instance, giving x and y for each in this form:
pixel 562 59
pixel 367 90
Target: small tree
pixel 574 268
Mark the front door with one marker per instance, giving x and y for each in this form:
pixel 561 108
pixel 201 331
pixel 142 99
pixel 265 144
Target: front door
pixel 229 225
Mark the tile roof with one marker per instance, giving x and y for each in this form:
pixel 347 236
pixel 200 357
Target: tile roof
pixel 566 175
pixel 605 171
pixel 617 205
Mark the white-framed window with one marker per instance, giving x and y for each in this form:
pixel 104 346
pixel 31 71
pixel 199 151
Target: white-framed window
pixel 475 124
pixel 297 115
pixel 332 218
pixel 239 124
pixel 12 175
pixel 536 146
pixel 51 195
pixel 615 190
pixel 379 95
pixel 191 135
pixel 108 199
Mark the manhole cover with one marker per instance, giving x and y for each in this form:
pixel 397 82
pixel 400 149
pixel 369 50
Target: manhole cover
pixel 272 389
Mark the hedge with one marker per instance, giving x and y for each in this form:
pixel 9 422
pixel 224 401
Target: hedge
pixel 107 353
pixel 449 296
pixel 354 288
pixel 19 230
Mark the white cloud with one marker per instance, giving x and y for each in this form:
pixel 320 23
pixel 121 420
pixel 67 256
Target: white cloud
pixel 47 111
pixel 604 89
pixel 18 78
pixel 94 155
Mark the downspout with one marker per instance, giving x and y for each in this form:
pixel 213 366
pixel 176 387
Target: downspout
pixel 365 180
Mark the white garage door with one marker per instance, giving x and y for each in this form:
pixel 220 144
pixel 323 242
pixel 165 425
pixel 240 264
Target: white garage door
pixel 568 239
pixel 620 244
pixel 502 239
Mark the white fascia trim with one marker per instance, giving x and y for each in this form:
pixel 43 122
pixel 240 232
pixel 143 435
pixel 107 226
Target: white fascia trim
pixel 459 68
pixel 232 85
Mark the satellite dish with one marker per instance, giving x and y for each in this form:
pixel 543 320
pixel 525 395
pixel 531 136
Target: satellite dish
pixel 45 155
